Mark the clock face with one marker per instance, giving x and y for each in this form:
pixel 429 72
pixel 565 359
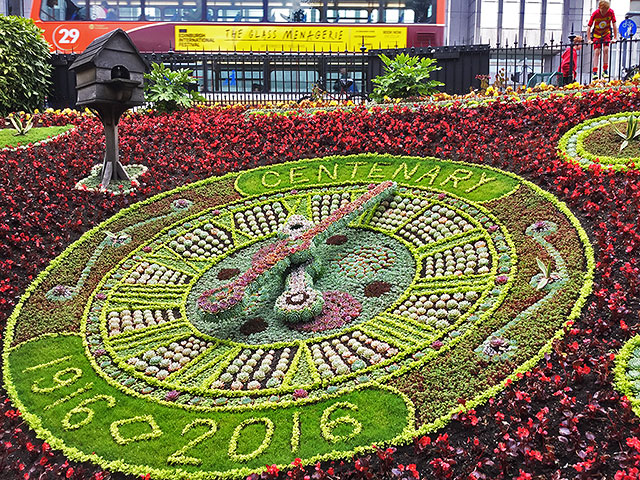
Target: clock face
pixel 390 281
pixel 302 310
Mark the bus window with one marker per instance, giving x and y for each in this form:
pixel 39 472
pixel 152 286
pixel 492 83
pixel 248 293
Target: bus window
pixel 294 15
pixel 234 14
pixel 129 14
pixel 112 10
pixel 176 11
pixel 300 81
pixel 64 10
pixel 399 15
pixel 52 10
pixel 230 79
pixel 350 16
pixel 152 14
pixel 103 10
pixel 235 10
pixel 424 10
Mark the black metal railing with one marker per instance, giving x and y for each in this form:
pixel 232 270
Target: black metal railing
pixel 256 78
pixel 524 65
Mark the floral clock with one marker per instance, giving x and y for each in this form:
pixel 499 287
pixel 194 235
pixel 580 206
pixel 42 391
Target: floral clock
pixel 301 310
pixel 597 142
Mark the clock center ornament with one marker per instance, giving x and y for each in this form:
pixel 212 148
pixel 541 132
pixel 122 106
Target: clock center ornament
pixel 300 310
pixel 292 258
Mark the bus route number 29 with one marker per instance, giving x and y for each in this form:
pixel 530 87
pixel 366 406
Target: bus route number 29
pixel 64 38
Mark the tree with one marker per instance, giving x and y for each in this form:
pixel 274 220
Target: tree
pixel 25 71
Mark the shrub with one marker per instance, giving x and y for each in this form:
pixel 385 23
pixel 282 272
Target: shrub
pixel 24 65
pixel 405 77
pixel 167 89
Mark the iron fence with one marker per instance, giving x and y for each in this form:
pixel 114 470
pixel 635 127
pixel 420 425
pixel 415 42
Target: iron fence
pixel 530 65
pixel 256 78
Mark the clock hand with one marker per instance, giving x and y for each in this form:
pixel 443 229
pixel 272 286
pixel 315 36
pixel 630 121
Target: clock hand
pixel 297 249
pixel 300 301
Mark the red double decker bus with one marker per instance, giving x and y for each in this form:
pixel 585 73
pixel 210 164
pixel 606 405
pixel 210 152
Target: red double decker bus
pixel 243 25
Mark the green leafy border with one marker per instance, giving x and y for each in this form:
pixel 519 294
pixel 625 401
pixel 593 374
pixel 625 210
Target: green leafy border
pixel 409 432
pixel 621 381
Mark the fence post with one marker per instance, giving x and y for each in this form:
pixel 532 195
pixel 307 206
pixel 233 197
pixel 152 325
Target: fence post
pixel 363 82
pixel 572 37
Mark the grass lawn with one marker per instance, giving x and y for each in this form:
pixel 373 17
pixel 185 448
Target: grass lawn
pixel 36 134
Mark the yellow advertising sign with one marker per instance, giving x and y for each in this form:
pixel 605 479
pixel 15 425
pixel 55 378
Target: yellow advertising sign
pixel 288 38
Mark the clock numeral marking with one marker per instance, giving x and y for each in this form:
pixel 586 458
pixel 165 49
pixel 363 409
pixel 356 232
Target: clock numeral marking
pixel 179 455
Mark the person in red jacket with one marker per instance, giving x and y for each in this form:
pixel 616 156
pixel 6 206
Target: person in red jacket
pixel 601 26
pixel 569 65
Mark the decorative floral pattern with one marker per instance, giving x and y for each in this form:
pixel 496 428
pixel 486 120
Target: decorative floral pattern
pixel 572 149
pixel 388 286
pixel 339 309
pixel 364 262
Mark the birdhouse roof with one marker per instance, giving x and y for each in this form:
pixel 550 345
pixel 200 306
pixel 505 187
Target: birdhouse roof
pixel 116 40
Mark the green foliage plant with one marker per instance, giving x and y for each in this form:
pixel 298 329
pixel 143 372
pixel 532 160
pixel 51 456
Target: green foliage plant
pixel 167 89
pixel 24 65
pixel 546 274
pixel 20 127
pixel 631 133
pixel 406 77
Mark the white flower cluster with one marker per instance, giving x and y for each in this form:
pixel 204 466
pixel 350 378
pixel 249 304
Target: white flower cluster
pixel 296 225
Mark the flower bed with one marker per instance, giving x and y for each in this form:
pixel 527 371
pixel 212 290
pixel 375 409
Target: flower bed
pixel 448 240
pixel 580 144
pixel 563 416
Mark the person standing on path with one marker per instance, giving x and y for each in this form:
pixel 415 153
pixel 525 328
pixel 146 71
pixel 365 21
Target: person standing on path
pixel 600 28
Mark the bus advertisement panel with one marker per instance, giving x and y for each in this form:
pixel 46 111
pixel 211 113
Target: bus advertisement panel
pixel 287 37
